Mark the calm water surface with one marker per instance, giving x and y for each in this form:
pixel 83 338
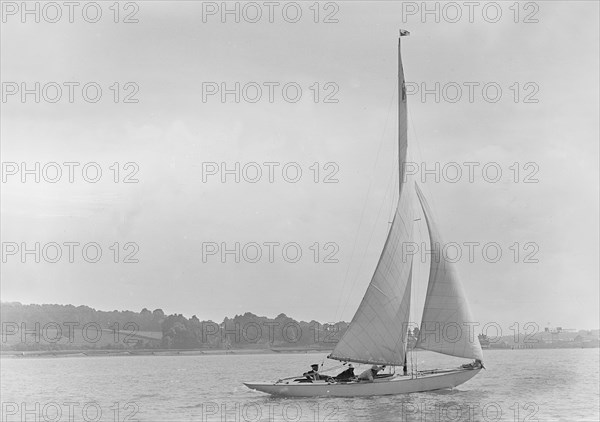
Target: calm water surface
pixel 518 385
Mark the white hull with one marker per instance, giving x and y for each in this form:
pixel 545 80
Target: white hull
pixel 380 387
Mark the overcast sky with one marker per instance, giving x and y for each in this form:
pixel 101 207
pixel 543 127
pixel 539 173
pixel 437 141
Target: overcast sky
pixel 170 132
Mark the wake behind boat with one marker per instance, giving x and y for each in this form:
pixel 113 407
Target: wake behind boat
pixel 378 332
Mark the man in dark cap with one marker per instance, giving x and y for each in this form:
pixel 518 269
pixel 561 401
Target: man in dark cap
pixel 313 374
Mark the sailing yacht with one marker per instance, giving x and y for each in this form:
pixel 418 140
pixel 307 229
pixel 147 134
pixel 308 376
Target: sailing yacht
pixel 378 332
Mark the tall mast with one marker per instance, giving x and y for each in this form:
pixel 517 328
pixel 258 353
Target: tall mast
pixel 402 126
pixel 402 142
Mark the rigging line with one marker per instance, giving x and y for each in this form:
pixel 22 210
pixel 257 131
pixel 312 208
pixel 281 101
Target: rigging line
pixel 422 226
pixel 420 153
pixel 362 260
pixel 416 290
pixel 339 315
pixel 394 201
pixel 419 292
pixel 411 363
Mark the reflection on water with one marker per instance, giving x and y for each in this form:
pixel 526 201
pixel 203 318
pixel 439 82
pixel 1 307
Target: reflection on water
pixel 518 385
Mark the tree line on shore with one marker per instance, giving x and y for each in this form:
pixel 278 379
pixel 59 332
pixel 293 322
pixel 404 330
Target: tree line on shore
pixel 60 327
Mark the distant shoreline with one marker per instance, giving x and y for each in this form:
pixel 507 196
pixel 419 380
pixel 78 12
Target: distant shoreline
pixel 10 354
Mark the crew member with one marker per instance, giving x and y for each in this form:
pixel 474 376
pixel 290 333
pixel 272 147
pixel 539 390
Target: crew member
pixel 313 374
pixel 347 374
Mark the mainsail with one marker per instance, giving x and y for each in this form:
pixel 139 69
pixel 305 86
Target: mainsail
pixel 377 333
pixel 447 325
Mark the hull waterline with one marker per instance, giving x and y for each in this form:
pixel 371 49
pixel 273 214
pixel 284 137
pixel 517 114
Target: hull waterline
pixel 390 386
